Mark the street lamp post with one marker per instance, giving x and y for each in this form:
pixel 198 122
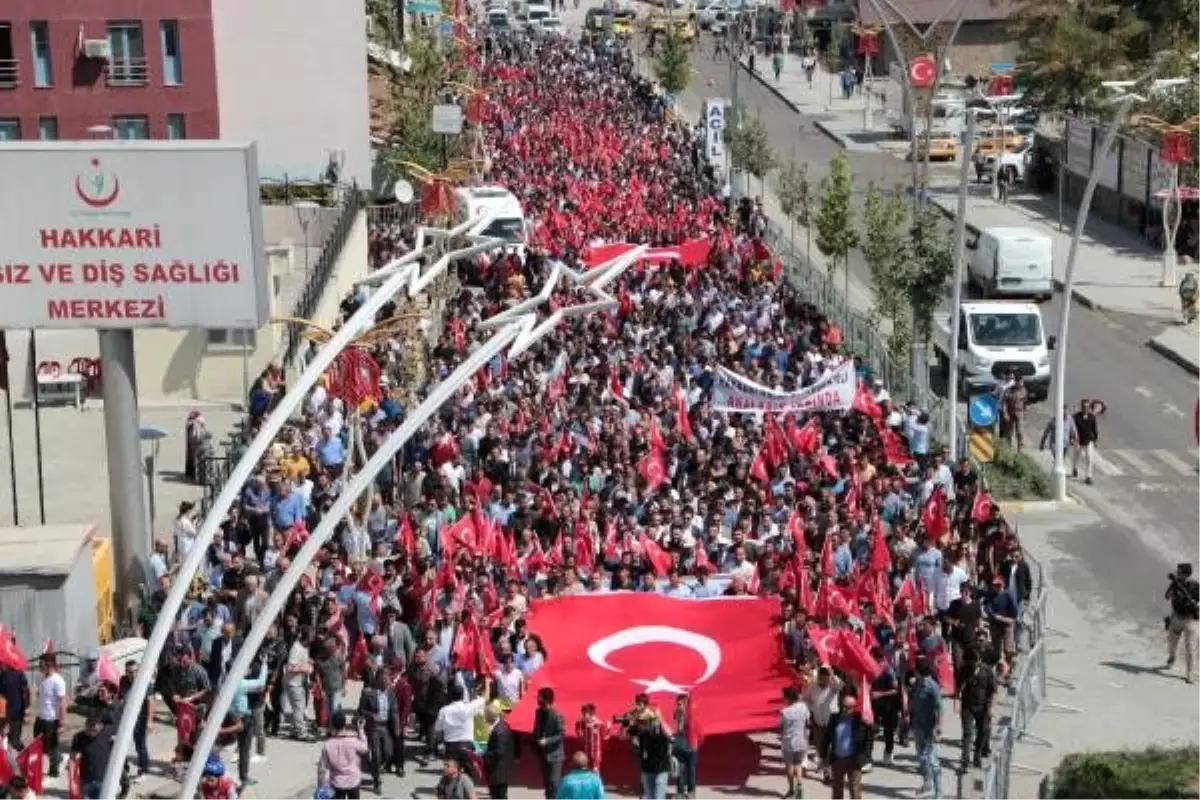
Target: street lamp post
pixel 1124 104
pixel 306 214
pixel 960 257
pixel 516 327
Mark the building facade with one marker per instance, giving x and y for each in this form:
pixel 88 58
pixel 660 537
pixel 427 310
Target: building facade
pixel 290 75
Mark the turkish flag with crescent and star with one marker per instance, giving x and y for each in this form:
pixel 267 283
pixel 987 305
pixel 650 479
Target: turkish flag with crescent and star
pixel 726 652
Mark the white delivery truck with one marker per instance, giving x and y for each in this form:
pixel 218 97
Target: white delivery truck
pixel 1011 262
pixel 996 336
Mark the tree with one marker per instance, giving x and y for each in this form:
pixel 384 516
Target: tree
pixel 749 146
pixel 885 249
pixel 930 265
pixel 1068 49
pixel 673 67
pixel 836 232
pixel 408 107
pixel 795 198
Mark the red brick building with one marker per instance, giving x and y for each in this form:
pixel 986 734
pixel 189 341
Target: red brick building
pixel 135 69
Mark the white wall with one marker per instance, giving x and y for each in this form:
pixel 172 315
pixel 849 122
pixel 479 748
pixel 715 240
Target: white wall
pixel 292 76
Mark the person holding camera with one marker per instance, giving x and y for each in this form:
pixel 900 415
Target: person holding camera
pixel 340 765
pixel 1183 592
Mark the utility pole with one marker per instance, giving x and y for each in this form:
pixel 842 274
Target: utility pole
pixel 732 20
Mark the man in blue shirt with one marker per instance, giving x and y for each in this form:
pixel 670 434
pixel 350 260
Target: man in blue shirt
pixel 926 728
pixel 287 507
pixel 928 564
pixel 331 451
pixel 843 559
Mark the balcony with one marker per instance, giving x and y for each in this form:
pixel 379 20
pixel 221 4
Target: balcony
pixel 128 72
pixel 10 73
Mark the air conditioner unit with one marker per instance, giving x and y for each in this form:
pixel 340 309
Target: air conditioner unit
pixel 97 48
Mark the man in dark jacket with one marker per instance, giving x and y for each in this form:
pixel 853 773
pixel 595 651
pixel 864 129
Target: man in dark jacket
pixel 501 753
pixel 377 708
pixel 222 654
pixel 977 696
pixel 549 733
pixel 847 746
pixel 93 745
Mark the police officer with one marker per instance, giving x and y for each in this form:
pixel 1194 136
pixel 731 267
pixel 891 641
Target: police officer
pixel 1183 592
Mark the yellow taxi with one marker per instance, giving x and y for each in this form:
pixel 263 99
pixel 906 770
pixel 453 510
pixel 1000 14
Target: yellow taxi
pixel 681 25
pixel 995 141
pixel 623 21
pixel 942 146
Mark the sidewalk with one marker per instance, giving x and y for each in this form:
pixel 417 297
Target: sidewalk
pixel 849 122
pixel 1116 270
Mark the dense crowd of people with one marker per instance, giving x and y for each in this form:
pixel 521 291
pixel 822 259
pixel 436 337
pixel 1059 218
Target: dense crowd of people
pixel 594 463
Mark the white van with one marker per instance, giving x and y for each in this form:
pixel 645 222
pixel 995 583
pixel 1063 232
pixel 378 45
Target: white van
pixel 1012 262
pixel 996 337
pixel 508 221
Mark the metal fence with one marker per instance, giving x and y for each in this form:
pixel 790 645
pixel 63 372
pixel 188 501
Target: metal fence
pixel 396 214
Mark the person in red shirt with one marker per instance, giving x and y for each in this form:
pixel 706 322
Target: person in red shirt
pixel 593 732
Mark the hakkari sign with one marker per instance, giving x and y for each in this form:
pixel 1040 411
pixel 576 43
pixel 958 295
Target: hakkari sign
pixel 131 235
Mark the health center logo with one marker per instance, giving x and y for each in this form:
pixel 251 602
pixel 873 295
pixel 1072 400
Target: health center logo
pixel 96 188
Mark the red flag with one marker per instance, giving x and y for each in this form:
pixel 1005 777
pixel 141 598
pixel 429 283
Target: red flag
pixel 615 388
pixel 657 443
pixel 755 584
pixel 185 722
pixel 864 700
pixel 361 654
pixel 852 496
pixel 74 779
pixel 106 670
pixel 855 658
pixel 893 449
pixel 701 559
pixel 653 468
pixel 828 571
pixel 728 651
pixel 804 595
pixel 6 773
pixel 943 668
pixel 775 443
pixel 585 548
pixel 881 559
pixel 681 413
pixel 916 595
pixel 406 538
pixel 32 763
pixel 981 509
pixel 555 557
pixel 11 655
pixel 461 534
pixel 659 559
pixel 864 402
pixel 933 516
pixel 826 644
pixel 465 651
pixel 806 439
pixel 320 708
pixel 758 468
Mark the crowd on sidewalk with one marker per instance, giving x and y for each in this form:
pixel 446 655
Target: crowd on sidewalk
pixel 595 463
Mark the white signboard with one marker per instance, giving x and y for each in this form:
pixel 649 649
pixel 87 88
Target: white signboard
pixel 1110 170
pixel 447 119
pixel 131 235
pixel 714 132
pixel 1134 163
pixel 1079 147
pixel 1160 176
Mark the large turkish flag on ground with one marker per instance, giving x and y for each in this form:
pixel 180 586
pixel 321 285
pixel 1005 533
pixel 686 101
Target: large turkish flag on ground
pixel 606 648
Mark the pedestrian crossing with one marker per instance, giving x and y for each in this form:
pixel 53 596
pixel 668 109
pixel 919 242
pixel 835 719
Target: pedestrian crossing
pixel 1140 463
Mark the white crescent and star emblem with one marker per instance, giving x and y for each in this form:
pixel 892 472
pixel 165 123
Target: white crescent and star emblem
pixel 705 647
pixel 921 71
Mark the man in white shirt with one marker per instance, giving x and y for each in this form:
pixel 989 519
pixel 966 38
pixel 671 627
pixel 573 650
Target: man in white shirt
pixel 821 698
pixel 455 723
pixel 51 709
pixel 510 681
pixel 948 585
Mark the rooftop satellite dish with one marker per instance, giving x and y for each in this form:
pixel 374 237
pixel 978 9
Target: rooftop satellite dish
pixel 403 192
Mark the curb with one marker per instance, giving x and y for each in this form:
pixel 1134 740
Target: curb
pixel 829 133
pixel 1173 356
pixel 1034 506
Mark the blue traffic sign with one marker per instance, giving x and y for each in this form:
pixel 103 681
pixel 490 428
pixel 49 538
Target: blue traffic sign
pixel 982 410
pixel 423 7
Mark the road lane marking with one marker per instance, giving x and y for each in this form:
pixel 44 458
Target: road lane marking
pixel 1173 410
pixel 1104 465
pixel 1174 462
pixel 1143 391
pixel 1140 464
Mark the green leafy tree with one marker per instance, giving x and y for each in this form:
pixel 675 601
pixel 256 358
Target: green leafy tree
pixel 749 146
pixel 1070 48
pixel 673 67
pixel 837 234
pixel 930 265
pixel 885 249
pixel 795 195
pixel 408 106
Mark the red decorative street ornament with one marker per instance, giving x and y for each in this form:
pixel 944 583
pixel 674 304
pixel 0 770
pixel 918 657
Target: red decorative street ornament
pixel 354 377
pixel 868 43
pixel 922 71
pixel 1175 146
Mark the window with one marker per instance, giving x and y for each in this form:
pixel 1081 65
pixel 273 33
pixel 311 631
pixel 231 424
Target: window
pixel 176 126
pixel 127 67
pixel 131 127
pixel 10 73
pixel 172 62
pixel 10 130
pixel 48 128
pixel 233 337
pixel 43 70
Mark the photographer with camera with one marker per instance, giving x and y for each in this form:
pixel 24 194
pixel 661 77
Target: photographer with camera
pixel 1183 592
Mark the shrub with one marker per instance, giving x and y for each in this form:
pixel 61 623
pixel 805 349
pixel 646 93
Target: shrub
pixel 1152 773
pixel 1017 476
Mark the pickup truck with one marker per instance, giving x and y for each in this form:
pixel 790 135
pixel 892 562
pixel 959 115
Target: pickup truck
pixel 996 336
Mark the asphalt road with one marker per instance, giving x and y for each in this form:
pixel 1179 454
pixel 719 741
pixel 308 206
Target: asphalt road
pixel 1146 486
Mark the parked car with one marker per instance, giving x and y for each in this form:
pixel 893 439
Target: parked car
pixel 942 146
pixel 1013 162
